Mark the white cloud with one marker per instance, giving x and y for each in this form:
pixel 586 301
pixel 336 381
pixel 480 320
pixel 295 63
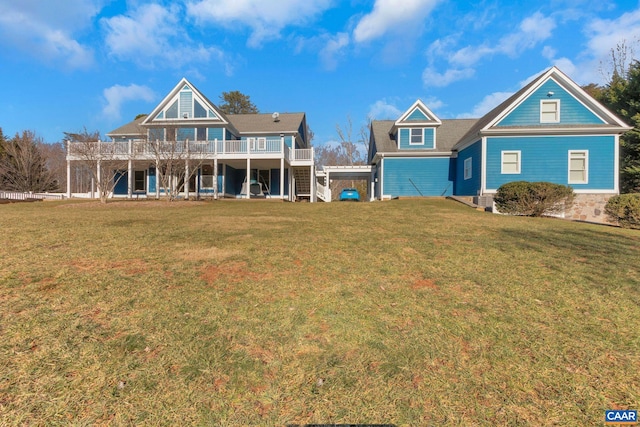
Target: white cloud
pixel 487 104
pixel 392 15
pixel 116 95
pixel 383 110
pixel 153 35
pixel 333 49
pixel 265 18
pixel 431 77
pixel 45 30
pixel 532 30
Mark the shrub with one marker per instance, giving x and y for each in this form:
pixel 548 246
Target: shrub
pixel 533 198
pixel 625 209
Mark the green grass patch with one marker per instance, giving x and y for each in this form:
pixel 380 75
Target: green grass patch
pixel 412 312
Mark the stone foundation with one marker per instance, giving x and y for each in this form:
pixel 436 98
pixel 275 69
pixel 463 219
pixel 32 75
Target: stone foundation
pixel 589 207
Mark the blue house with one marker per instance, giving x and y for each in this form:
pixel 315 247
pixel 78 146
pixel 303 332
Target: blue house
pixel 550 130
pixel 189 147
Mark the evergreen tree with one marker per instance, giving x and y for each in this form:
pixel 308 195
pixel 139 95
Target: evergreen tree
pixel 235 102
pixel 622 96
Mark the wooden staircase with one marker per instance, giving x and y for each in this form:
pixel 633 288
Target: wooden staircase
pixel 302 178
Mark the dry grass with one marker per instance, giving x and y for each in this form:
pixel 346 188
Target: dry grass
pixel 409 312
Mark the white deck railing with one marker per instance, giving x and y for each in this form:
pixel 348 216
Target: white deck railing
pixel 136 148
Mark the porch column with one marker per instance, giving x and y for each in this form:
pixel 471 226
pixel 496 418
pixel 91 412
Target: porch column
pixel 157 180
pixel 292 186
pixel 248 176
pixel 186 179
pixel 215 178
pixel 68 179
pixel 381 179
pixel 130 177
pixel 99 179
pixel 282 176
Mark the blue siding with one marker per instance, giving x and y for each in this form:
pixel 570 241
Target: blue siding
pixel 186 103
pixel 571 110
pixel 428 135
pixel 152 179
pixel 469 187
pixel 275 182
pixel 547 159
pixel 122 185
pixel 433 176
pixel 417 115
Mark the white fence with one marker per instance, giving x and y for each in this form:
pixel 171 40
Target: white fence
pixel 15 195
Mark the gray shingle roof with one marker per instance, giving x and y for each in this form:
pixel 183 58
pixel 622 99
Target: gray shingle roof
pixel 447 136
pixel 132 128
pixel 264 123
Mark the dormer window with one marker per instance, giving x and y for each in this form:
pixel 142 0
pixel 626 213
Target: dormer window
pixel 417 137
pixel 550 111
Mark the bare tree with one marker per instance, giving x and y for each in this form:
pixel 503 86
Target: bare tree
pixel 348 152
pixel 620 59
pixel 104 161
pixel 177 160
pixel 23 166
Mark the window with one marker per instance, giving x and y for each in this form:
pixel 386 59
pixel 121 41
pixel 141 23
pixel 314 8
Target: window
pixel 206 177
pixel 417 137
pixel 578 167
pixel 510 162
pixel 550 111
pixel 252 143
pixel 139 181
pixel 262 144
pixel 467 168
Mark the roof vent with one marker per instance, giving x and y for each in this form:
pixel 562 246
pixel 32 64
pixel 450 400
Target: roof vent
pixel 276 117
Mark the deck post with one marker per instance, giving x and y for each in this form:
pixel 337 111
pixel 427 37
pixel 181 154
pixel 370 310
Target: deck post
pixel 248 178
pixel 282 177
pixel 68 179
pixel 130 177
pixel 312 185
pixel 157 179
pixel 99 179
pixel 215 178
pixel 186 179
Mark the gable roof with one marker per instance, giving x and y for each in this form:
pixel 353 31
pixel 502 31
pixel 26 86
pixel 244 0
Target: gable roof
pixel 448 134
pixel 415 113
pixel 612 122
pixel 172 94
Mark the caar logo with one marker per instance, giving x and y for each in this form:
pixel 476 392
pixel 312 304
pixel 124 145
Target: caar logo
pixel 621 417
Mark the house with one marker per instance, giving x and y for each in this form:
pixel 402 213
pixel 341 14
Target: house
pixel 186 145
pixel 550 130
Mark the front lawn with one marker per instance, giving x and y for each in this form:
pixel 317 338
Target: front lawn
pixel 411 312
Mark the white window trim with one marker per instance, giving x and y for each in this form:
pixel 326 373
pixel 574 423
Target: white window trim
pixel 581 154
pixel 262 144
pixel 252 143
pixel 518 163
pixel 555 101
pixel 421 136
pixel 468 165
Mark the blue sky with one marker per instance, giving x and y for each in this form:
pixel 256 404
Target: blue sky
pixel 70 64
